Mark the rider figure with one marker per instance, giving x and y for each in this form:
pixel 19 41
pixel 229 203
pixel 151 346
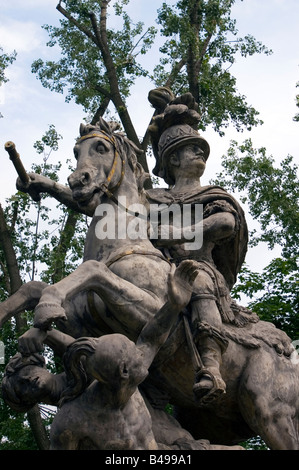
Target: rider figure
pixel 181 155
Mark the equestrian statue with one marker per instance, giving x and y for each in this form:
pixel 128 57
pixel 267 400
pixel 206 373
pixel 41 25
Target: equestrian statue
pixel 147 320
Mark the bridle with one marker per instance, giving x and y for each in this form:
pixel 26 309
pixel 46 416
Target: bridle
pixel 111 139
pixel 104 187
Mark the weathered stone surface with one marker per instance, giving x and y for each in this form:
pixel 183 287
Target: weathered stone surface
pixel 147 319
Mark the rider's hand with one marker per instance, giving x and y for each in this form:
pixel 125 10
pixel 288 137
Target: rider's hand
pixel 36 185
pixel 180 283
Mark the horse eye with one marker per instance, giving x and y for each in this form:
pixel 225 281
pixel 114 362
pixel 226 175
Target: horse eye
pixel 101 148
pixel 76 154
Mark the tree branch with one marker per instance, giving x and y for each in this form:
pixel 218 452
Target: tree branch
pixel 174 72
pixel 99 37
pixel 101 110
pixel 97 31
pixel 5 277
pixel 203 52
pixel 100 32
pixel 102 90
pixel 10 255
pixel 60 250
pixel 76 23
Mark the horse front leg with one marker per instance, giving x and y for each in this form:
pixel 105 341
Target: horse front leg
pixel 26 298
pixel 131 305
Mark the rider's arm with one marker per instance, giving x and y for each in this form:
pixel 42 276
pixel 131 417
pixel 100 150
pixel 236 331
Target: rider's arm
pixel 214 228
pixel 41 184
pixel 219 226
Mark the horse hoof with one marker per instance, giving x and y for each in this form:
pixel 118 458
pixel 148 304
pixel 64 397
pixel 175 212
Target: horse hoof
pixel 47 313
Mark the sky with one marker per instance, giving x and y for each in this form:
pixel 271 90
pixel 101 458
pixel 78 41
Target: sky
pixel 268 82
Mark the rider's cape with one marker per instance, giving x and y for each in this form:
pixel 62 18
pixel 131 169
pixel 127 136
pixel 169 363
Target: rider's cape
pixel 228 255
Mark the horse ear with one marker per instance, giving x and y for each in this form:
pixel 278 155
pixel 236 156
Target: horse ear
pixel 82 129
pixel 102 124
pixel 141 176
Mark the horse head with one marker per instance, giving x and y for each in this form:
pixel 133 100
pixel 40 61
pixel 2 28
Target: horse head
pixel 105 158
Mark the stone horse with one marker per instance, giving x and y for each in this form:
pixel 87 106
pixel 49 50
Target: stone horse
pixel 122 282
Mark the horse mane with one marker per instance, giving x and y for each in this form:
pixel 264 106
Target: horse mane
pixel 125 147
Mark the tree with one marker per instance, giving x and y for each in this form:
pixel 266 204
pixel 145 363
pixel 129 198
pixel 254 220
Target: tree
pixel 13 282
pixel 271 194
pixel 99 64
pixel 202 47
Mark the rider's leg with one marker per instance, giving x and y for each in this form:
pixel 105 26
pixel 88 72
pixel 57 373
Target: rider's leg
pixel 209 383
pixel 207 323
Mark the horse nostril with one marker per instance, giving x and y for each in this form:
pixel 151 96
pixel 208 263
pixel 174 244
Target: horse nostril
pixel 85 178
pixel 79 179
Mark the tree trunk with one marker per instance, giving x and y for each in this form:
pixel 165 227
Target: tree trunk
pixel 33 415
pixel 61 249
pixel 100 39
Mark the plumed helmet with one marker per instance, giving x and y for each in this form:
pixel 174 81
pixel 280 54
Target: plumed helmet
pixel 174 125
pixel 171 139
pixel 178 136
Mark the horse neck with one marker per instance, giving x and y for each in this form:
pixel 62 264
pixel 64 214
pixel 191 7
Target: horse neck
pixel 113 216
pixel 128 188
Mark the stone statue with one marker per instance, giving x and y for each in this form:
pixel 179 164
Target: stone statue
pixel 111 414
pixel 181 154
pixel 220 367
pixel 101 407
pixel 26 379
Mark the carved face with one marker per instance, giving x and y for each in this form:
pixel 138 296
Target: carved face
pixel 32 384
pixel 187 161
pixel 95 156
pixel 117 359
pixel 190 159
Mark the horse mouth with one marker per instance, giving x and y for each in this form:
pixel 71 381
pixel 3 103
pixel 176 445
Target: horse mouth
pixel 84 198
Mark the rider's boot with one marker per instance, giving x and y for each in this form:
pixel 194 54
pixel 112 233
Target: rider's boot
pixel 209 384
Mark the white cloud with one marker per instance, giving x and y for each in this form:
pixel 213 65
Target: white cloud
pixel 27 5
pixel 20 36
